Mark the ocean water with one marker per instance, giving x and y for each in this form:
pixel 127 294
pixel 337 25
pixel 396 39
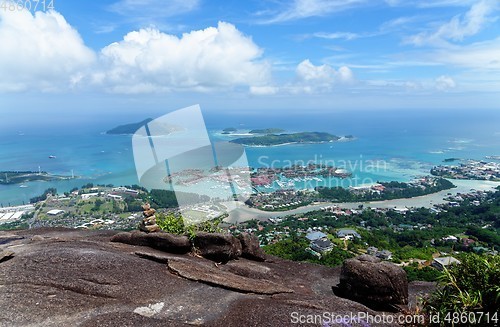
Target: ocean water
pixel 389 145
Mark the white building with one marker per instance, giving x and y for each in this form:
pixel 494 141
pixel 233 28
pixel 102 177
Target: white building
pixel 55 212
pixel 444 262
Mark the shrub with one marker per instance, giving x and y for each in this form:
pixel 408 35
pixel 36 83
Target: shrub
pixel 472 286
pixel 174 224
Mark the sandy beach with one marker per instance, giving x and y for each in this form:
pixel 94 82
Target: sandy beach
pixel 244 213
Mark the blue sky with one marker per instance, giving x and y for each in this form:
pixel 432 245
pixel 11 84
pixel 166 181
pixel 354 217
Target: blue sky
pixel 127 55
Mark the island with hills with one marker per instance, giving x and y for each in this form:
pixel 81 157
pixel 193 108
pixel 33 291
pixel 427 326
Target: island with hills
pixel 229 130
pixel 128 128
pixel 267 131
pixel 292 138
pixel 263 131
pixel 19 177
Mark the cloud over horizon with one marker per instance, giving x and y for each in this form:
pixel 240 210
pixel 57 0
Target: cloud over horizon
pixel 216 57
pixel 40 51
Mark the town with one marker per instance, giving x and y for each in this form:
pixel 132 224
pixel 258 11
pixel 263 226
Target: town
pixel 419 239
pixel 470 169
pixel 290 198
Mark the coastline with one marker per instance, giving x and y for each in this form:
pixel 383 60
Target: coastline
pixel 299 143
pixel 245 213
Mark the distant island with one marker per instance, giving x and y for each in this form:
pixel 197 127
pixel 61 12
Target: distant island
pixel 451 159
pixel 267 131
pixel 129 128
pixel 160 129
pixel 19 177
pixel 282 139
pixel 229 130
pixel 264 131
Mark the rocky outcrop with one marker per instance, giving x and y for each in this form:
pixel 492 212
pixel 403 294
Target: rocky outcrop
pixel 376 283
pixel 67 277
pixel 159 240
pixel 208 273
pixel 217 247
pixel 148 224
pixel 251 248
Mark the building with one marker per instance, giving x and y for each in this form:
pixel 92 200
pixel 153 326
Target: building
pixel 322 245
pixel 313 236
pixel 55 212
pixel 372 250
pixel 450 238
pixel 444 262
pixel 115 197
pixel 348 234
pixel 89 195
pixel 384 255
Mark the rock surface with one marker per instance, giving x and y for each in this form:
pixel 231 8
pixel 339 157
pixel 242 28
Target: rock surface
pixel 210 274
pixel 159 240
pixel 217 247
pixel 250 247
pixel 66 277
pixel 376 283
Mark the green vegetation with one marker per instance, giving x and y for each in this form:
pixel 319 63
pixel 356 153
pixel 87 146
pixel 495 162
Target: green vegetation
pixel 393 190
pixel 167 199
pixel 267 131
pixel 295 247
pixel 271 139
pixel 51 191
pixel 129 128
pixel 428 274
pixel 470 287
pixel 174 224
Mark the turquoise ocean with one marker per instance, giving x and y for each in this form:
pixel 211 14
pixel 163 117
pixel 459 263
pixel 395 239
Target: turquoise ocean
pixel 389 145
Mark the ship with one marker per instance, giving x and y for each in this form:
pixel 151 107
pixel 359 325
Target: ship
pixel 52 157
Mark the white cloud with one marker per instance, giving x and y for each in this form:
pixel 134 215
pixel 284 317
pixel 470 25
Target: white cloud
pixel 458 27
pixel 310 79
pixel 445 83
pixel 323 75
pixel 300 9
pixel 41 51
pixel 203 60
pixel 445 3
pixel 264 90
pixel 481 55
pixel 431 3
pixel 337 35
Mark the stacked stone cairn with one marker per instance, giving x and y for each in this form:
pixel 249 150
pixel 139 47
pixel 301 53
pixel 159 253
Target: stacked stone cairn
pixel 148 224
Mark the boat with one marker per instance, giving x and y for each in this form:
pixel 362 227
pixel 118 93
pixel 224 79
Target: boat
pixel 52 157
pixel 23 186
